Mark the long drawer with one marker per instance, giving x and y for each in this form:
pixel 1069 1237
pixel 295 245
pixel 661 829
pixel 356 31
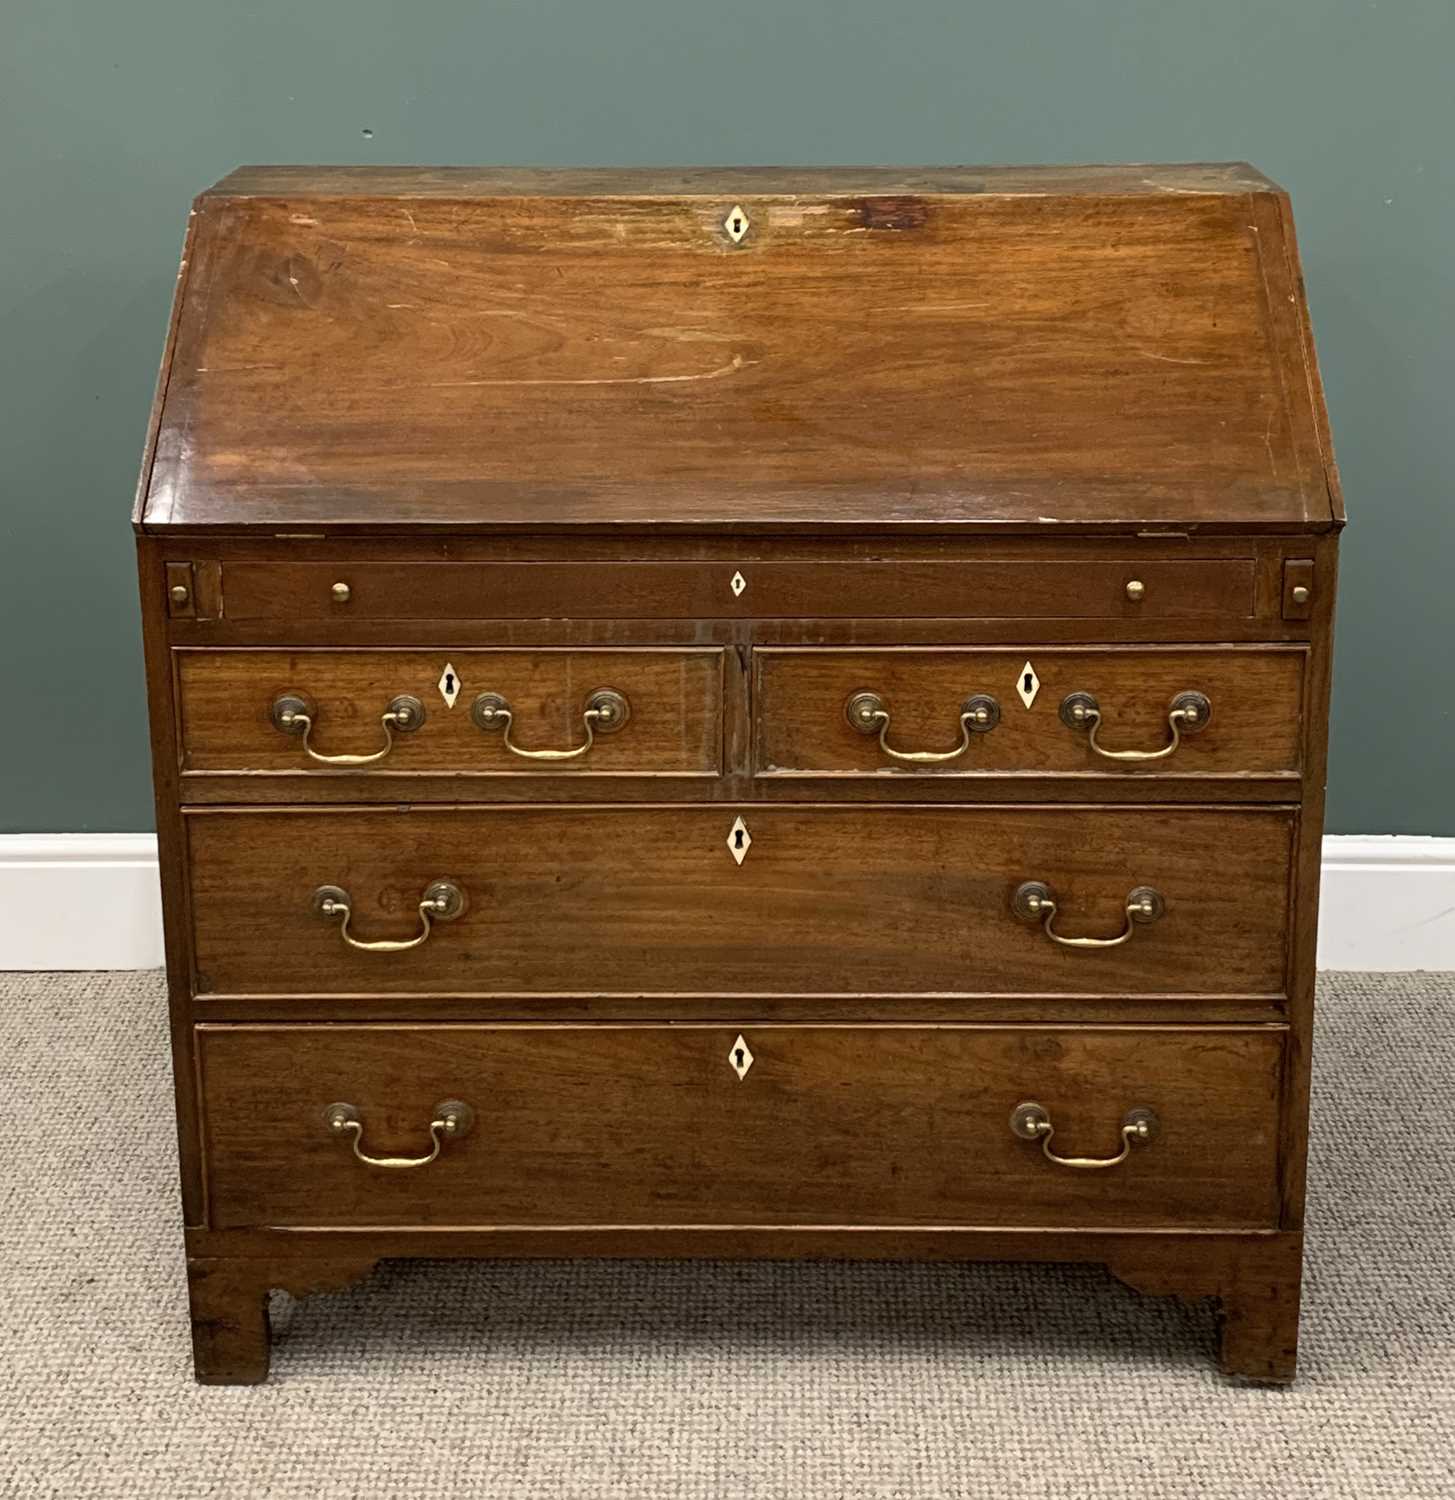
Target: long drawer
pixel 715 1125
pixel 235 711
pixel 985 588
pixel 1082 711
pixel 889 900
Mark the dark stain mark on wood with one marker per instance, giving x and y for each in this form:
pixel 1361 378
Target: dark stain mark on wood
pixel 901 212
pixel 287 280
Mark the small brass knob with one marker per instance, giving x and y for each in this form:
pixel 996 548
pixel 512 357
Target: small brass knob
pixel 341 593
pixel 1300 594
pixel 178 593
pixel 1136 590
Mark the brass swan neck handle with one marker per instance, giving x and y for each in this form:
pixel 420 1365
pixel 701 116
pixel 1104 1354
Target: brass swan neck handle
pixel 605 712
pixel 868 713
pixel 1034 901
pixel 1032 1122
pixel 295 714
pixel 452 1119
pixel 442 901
pixel 1188 713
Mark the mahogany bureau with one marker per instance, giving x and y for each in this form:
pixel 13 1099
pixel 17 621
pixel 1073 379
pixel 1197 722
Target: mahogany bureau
pixel 740 713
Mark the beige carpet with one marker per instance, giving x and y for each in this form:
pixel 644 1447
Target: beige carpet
pixel 654 1381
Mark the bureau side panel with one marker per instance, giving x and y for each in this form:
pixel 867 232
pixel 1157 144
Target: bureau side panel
pixel 1305 878
pixel 172 857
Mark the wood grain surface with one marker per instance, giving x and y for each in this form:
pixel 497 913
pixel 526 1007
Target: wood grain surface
pixel 802 730
pixel 829 900
pixel 865 356
pixel 675 697
pixel 870 1125
pixel 983 588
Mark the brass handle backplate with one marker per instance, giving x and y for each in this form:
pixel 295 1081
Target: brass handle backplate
pixel 442 901
pixel 452 1119
pixel 296 715
pixel 868 713
pixel 605 712
pixel 1188 713
pixel 1032 1122
pixel 1034 901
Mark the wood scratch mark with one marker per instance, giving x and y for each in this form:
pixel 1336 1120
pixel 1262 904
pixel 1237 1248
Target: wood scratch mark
pixel 928 307
pixel 520 314
pixel 737 363
pixel 1169 359
pixel 692 335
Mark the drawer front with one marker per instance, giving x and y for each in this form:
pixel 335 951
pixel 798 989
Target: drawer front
pixel 893 900
pixel 672 723
pixel 644 1125
pixel 1251 726
pixel 982 589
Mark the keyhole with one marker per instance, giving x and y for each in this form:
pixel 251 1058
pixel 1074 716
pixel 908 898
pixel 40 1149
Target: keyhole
pixel 1027 683
pixel 737 225
pixel 449 682
pixel 738 1056
pixel 739 840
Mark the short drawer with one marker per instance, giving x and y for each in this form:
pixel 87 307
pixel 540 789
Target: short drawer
pixel 579 712
pixel 1097 711
pixel 692 900
pixel 752 1125
pixel 981 588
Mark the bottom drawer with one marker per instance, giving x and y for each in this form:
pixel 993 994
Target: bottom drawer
pixel 645 1125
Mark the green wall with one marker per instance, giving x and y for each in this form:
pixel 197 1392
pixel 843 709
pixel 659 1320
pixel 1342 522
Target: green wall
pixel 113 114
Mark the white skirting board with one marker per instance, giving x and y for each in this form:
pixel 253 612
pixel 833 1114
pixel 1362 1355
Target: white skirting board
pixel 90 901
pixel 79 901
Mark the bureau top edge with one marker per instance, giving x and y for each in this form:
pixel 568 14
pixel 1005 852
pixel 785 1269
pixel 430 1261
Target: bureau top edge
pixel 1132 178
pixel 214 522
